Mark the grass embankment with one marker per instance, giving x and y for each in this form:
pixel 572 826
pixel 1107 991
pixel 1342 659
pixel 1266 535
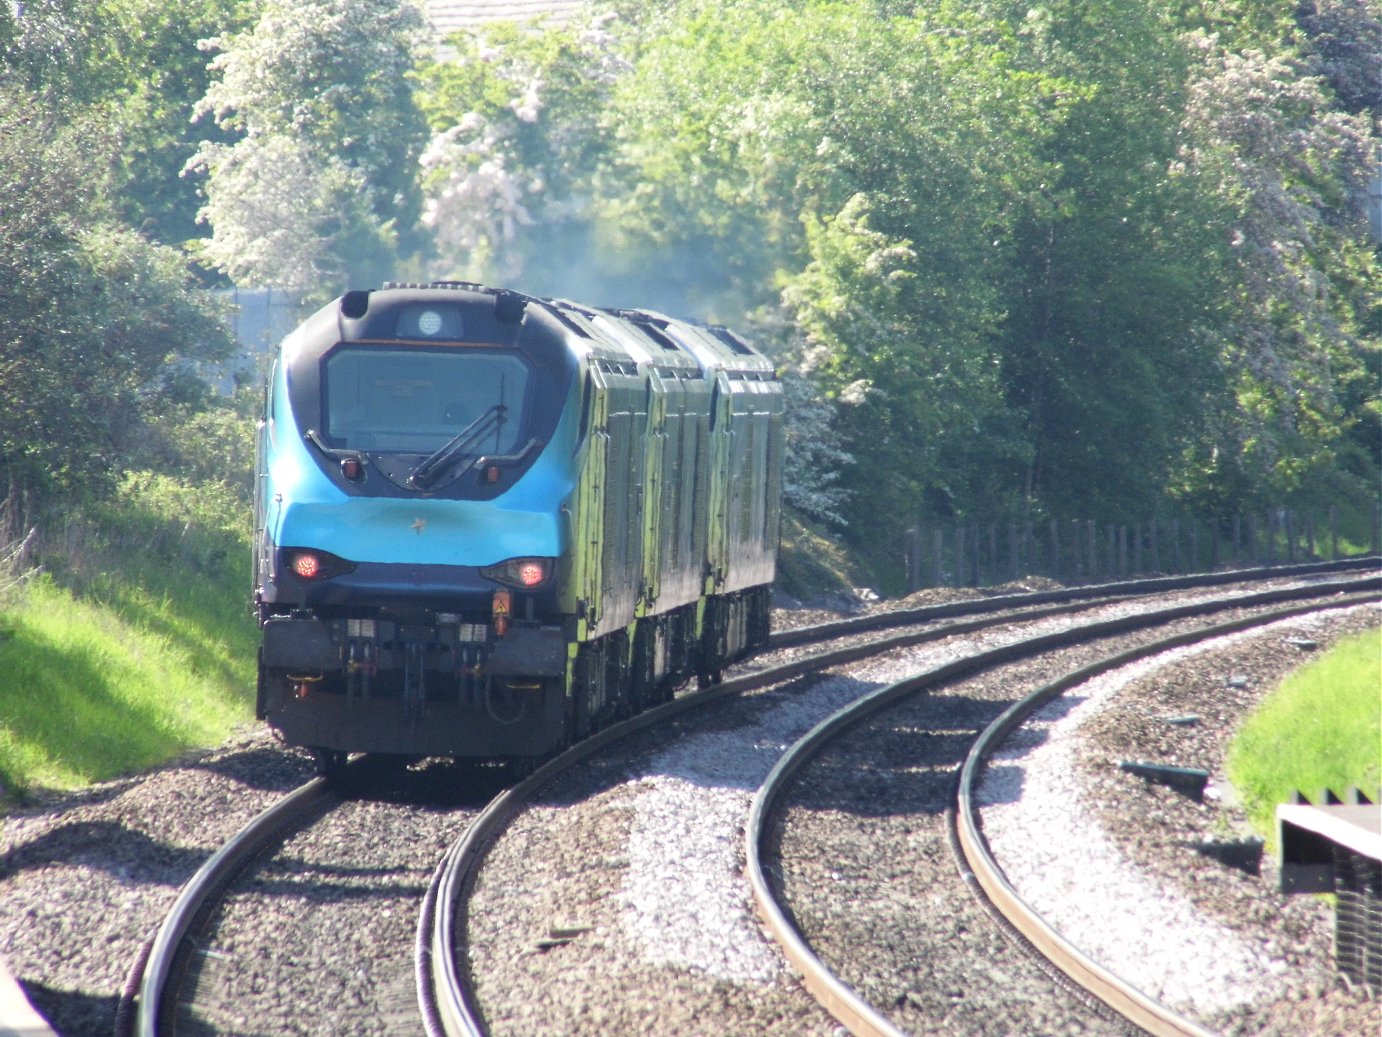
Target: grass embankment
pixel 135 642
pixel 1321 729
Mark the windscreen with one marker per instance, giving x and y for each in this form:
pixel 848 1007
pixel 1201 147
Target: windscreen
pixel 387 399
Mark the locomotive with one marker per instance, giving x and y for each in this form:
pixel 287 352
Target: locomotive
pixel 486 524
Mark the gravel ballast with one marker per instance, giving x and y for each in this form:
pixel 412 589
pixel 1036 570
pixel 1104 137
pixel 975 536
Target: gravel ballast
pixel 626 878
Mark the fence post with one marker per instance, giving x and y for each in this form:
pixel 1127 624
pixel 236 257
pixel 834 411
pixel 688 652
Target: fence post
pixel 1076 555
pixel 1309 536
pixel 911 541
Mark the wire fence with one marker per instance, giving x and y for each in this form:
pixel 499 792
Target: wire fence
pixel 976 555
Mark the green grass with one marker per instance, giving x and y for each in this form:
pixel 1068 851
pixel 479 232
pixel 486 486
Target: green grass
pixel 1321 729
pixel 134 645
pixel 809 562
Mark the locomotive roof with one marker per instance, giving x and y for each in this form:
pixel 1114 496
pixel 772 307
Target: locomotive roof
pixel 500 316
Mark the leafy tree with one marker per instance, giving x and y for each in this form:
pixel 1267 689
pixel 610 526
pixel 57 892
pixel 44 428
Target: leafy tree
pixel 518 142
pixel 136 66
pixel 1006 237
pixel 1299 326
pixel 98 327
pixel 46 335
pixel 1104 350
pixel 321 95
pixel 153 74
pixel 834 153
pixel 1344 44
pixel 49 50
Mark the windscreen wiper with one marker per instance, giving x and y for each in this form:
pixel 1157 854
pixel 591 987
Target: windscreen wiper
pixel 315 438
pixel 426 473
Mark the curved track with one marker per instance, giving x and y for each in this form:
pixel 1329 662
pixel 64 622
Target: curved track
pixel 443 992
pixel 836 996
pixel 444 987
pixel 152 979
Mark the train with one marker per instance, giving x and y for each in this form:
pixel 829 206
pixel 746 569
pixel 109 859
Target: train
pixel 487 524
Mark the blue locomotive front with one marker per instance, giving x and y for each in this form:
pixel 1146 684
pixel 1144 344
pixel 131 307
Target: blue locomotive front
pixel 486 523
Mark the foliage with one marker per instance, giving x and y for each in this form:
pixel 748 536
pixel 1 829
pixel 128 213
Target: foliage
pixel 1286 171
pixel 518 135
pixel 154 73
pixel 99 328
pixel 319 192
pixel 1320 729
pixel 811 565
pixel 1005 237
pixel 1344 45
pixel 1080 256
pixel 830 153
pixel 815 456
pixel 1110 381
pixel 136 66
pixel 209 444
pixel 16 549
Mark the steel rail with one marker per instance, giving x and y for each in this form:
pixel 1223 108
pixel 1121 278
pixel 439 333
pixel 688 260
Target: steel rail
pixel 833 993
pixel 445 1001
pixel 154 969
pixel 1137 1007
pixel 1124 589
pixel 445 995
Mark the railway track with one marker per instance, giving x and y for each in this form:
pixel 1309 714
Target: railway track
pixel 150 995
pixel 302 920
pixel 458 1008
pixel 444 947
pixel 976 863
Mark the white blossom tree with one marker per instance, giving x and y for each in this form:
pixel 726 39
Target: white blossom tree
pixel 320 190
pixel 1289 170
pixel 517 136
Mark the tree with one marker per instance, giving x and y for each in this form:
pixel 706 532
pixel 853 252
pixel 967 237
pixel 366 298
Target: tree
pixel 1104 346
pixel 134 65
pixel 99 329
pixel 1299 325
pixel 320 93
pixel 153 73
pixel 868 166
pixel 518 145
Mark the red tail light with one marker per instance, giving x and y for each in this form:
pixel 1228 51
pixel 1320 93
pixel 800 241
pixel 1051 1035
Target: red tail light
pixel 520 572
pixel 307 565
